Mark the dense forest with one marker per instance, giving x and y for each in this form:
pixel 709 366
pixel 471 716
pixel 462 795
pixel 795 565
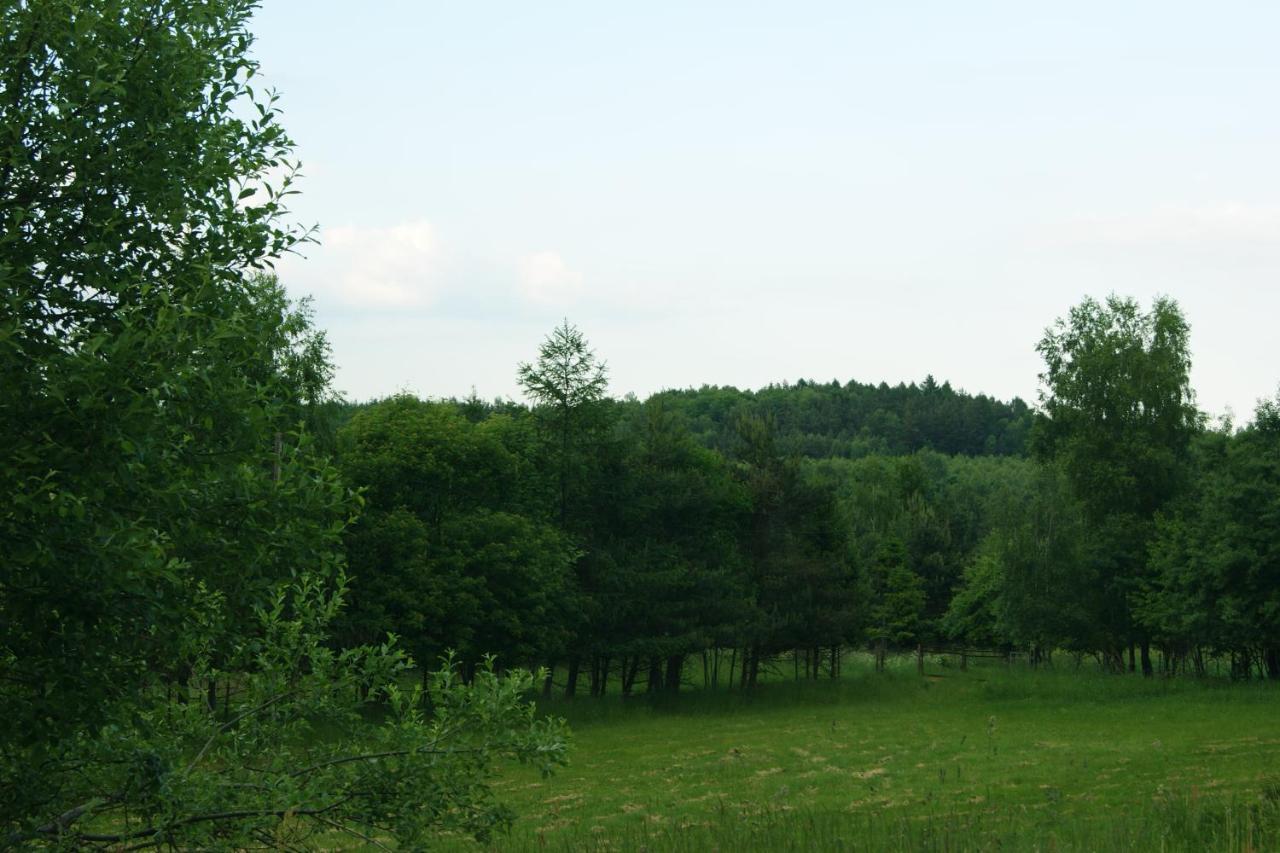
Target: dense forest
pixel 854 420
pixel 622 539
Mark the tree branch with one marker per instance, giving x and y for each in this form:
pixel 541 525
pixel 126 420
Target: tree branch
pixel 150 831
pixel 395 753
pixel 349 831
pixel 222 728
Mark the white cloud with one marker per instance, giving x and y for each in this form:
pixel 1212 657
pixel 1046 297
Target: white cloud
pixel 395 267
pixel 545 278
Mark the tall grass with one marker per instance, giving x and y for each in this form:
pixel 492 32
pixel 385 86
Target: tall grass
pixel 1175 823
pixel 997 757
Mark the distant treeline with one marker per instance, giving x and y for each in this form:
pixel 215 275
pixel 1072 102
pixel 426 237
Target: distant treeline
pixel 616 538
pixel 852 420
pixel 829 420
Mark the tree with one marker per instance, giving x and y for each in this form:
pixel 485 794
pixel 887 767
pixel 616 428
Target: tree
pixel 821 420
pixel 1047 596
pixel 567 386
pixel 1215 559
pixel 443 555
pixel 167 519
pixel 1119 415
pixel 677 585
pixel 897 599
pixel 568 382
pixel 796 552
pixel 294 760
pixel 146 370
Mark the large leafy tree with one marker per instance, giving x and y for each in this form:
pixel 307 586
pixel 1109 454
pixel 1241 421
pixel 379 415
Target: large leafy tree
pixel 1030 584
pixel 677 585
pixel 443 554
pixel 1119 416
pixel 1215 583
pixel 797 554
pixel 145 370
pixel 166 519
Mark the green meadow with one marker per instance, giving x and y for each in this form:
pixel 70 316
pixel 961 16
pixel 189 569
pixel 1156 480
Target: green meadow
pixel 995 757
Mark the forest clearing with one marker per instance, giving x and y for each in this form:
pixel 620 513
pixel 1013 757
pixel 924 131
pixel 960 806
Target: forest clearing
pixel 998 757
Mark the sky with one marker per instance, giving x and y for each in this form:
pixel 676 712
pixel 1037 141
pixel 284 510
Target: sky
pixel 742 193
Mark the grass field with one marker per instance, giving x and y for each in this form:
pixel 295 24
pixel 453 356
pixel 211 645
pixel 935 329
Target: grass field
pixel 997 757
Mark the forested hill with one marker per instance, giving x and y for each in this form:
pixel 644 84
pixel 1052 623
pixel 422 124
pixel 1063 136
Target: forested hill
pixel 853 420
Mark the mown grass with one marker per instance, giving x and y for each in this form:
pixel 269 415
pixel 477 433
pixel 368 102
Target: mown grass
pixel 993 758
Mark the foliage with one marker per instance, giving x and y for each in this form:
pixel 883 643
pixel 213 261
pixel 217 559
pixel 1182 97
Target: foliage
pixel 293 759
pixel 567 385
pixel 829 420
pixel 443 555
pixel 797 553
pixel 1118 405
pixel 1030 584
pixel 677 584
pixel 675 558
pixel 898 596
pixel 151 387
pixel 172 531
pixel 936 509
pixel 1119 417
pixel 567 375
pixel 1215 558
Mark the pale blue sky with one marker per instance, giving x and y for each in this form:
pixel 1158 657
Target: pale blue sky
pixel 739 193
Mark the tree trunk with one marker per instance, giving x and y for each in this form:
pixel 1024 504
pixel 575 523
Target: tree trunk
pixel 1146 659
pixel 1273 663
pixel 655 675
pixel 675 669
pixel 630 669
pixel 549 681
pixel 571 680
pixel 920 659
pixel 835 662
